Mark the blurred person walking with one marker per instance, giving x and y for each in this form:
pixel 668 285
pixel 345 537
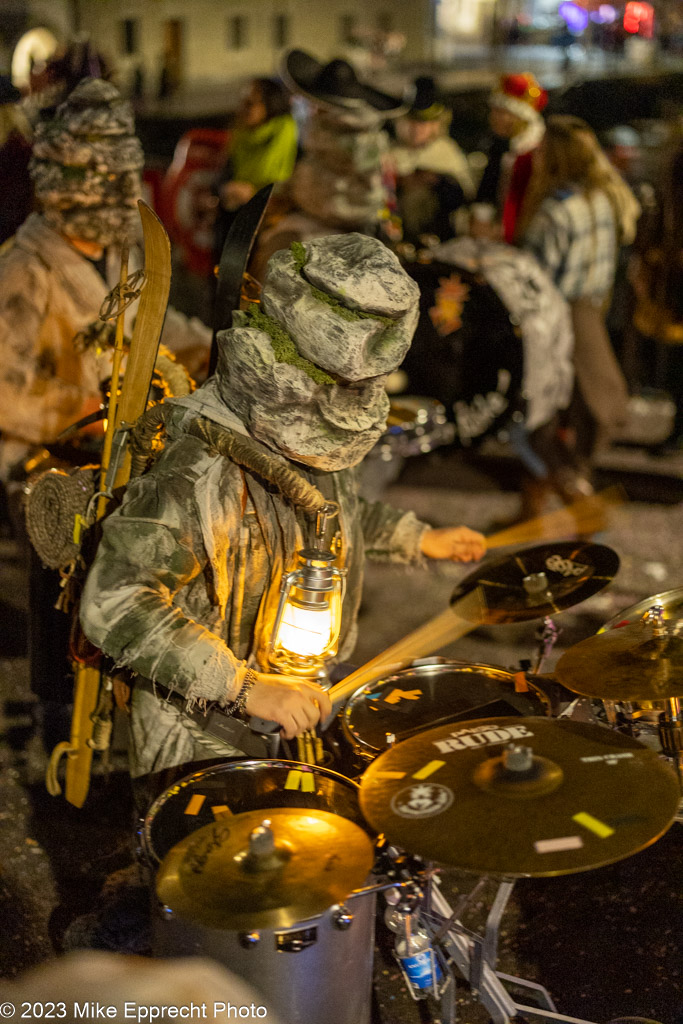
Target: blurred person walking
pixel 16 188
pixel 577 212
pixel 657 277
pixel 494 344
pixel 262 150
pixel 516 122
pixel 433 176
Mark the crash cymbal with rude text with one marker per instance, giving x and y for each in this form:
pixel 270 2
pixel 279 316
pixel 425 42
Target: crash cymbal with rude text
pixel 520 796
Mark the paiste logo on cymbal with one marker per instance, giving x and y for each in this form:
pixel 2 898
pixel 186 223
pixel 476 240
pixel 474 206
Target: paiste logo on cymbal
pixel 481 736
pixel 565 566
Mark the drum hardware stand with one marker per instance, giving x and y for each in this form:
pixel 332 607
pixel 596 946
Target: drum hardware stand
pixel 671 734
pixel 547 636
pixel 475 958
pixel 408 901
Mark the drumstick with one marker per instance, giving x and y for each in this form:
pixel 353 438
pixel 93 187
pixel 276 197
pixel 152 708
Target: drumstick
pixel 586 515
pixel 457 620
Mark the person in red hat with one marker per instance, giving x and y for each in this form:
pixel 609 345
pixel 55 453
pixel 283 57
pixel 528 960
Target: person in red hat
pixel 516 121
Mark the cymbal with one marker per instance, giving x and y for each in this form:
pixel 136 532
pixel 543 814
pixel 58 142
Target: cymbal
pixel 585 796
pixel 539 581
pixel 670 600
pixel 626 664
pixel 264 868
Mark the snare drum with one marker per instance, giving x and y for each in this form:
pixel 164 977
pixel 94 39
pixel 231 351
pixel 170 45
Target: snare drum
pixel 318 971
pixel 430 693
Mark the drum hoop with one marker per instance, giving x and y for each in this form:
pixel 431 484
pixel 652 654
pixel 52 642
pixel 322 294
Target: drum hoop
pixel 435 410
pixel 363 747
pixel 148 820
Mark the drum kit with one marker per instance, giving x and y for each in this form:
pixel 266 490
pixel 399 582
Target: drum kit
pixel 273 867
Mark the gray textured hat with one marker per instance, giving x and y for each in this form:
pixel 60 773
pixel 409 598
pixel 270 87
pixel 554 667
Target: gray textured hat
pixel 86 164
pixel 339 178
pixel 305 370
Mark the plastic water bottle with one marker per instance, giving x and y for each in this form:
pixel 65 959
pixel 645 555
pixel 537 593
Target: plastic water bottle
pixel 418 959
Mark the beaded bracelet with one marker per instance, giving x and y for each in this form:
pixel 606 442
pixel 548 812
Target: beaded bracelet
pixel 238 706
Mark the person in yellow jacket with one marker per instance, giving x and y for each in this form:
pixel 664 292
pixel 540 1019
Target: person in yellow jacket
pixel 263 149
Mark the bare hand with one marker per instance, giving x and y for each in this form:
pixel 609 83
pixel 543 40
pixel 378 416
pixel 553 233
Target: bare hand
pixel 236 193
pixel 295 704
pixel 457 543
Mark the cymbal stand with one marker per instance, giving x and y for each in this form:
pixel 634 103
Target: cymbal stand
pixel 671 734
pixel 547 636
pixel 475 956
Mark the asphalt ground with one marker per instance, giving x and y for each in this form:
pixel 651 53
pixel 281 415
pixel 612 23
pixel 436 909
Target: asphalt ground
pixel 606 943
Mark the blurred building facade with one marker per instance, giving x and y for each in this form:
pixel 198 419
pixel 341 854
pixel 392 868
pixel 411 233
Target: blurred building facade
pixel 183 44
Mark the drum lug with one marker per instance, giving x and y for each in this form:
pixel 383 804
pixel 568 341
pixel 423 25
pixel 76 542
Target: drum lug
pixel 296 942
pixel 249 939
pixel 342 917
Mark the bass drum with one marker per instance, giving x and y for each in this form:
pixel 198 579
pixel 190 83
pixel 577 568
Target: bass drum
pixel 433 692
pixel 302 972
pixel 466 351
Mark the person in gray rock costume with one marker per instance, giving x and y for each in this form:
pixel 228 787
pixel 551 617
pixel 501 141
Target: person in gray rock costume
pixel 341 181
pixel 184 586
pixel 58 267
pixel 55 272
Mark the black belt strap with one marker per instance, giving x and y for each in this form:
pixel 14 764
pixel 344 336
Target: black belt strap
pixel 249 737
pixel 255 737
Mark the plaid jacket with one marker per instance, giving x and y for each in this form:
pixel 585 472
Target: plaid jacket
pixel 573 236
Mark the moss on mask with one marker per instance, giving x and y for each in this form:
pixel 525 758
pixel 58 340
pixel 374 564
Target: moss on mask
pixel 300 259
pixel 283 345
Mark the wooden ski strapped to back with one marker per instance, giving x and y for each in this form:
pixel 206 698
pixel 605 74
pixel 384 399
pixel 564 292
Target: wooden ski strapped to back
pixel 123 411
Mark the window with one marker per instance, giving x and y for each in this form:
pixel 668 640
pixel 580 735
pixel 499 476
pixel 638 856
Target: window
pixel 347 28
pixel 280 30
pixel 128 42
pixel 238 32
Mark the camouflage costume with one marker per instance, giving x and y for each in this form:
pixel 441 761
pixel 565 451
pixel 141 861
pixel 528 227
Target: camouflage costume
pixel 185 583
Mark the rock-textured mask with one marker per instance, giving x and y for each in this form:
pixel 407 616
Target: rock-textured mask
pixel 339 178
pixel 305 369
pixel 86 164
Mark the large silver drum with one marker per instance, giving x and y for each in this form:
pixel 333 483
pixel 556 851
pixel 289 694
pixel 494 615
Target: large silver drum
pixel 319 971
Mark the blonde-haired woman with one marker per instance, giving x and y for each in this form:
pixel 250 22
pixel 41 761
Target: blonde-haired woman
pixel 577 213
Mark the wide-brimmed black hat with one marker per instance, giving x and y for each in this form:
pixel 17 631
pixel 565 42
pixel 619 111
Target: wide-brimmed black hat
pixel 425 104
pixel 8 93
pixel 335 84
